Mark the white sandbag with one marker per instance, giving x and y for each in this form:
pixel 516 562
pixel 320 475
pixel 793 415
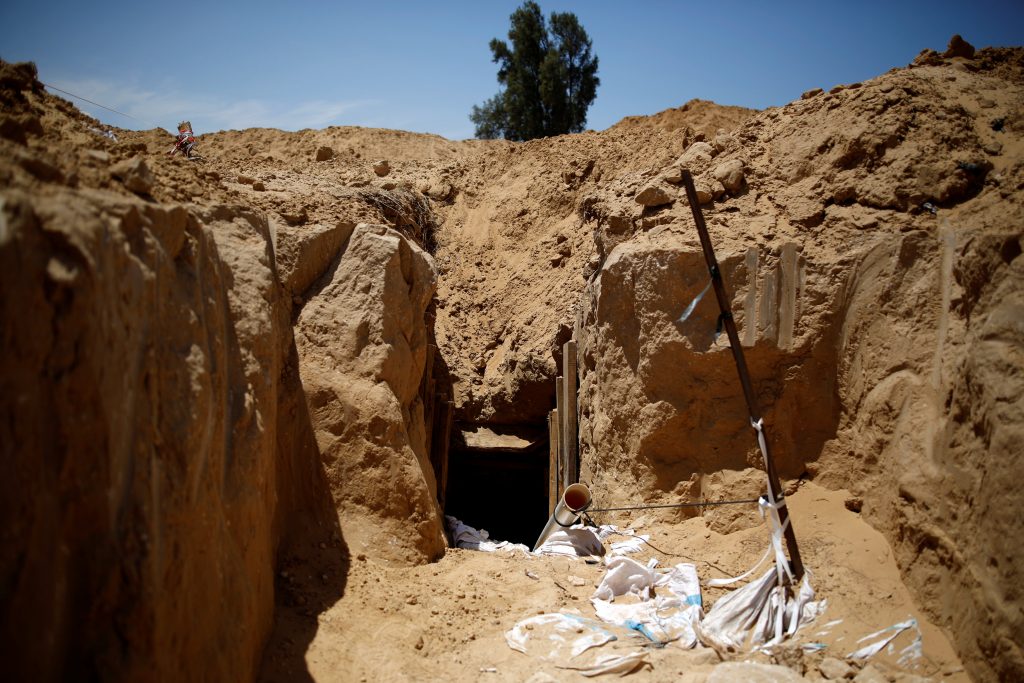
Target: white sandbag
pixel 759 614
pixel 575 541
pixel 667 617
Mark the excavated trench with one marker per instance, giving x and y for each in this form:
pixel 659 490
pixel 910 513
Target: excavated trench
pixel 263 433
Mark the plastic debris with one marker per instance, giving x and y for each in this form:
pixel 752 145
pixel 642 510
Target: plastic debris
pixel 760 614
pixel 576 541
pixel 625 576
pixel 763 613
pixel 465 536
pixel 888 635
pixel 612 664
pixel 557 636
pixel 666 618
pixel 109 134
pixel 635 542
pixel 693 304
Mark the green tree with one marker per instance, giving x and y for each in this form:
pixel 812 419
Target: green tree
pixel 549 76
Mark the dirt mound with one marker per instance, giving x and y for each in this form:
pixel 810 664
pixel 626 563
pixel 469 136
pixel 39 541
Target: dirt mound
pixel 246 369
pixel 700 116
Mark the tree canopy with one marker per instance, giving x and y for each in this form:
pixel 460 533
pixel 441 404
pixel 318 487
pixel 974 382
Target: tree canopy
pixel 549 76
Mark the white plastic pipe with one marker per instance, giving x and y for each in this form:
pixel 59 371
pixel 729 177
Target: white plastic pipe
pixel 575 500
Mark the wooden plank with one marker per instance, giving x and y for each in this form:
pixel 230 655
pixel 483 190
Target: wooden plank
pixel 553 437
pixel 560 410
pixel 447 410
pixel 427 389
pixel 571 436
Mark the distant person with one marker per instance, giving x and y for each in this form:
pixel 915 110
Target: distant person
pixel 186 141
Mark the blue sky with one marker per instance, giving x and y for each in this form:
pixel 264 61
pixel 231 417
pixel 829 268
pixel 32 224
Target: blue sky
pixel 421 66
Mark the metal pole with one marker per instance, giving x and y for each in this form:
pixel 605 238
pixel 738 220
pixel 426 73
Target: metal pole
pixel 796 565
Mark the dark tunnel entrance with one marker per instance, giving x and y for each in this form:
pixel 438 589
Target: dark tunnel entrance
pixel 498 480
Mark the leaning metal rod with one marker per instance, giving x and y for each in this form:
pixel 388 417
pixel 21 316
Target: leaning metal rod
pixel 741 367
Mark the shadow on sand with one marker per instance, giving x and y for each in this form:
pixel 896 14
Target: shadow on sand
pixel 312 558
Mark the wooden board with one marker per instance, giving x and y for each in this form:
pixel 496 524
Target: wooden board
pixel 570 437
pixel 553 439
pixel 560 411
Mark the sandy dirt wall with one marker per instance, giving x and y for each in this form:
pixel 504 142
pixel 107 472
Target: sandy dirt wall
pixel 362 345
pixel 138 432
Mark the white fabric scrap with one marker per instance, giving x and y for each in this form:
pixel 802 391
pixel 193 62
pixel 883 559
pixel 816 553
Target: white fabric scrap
pixel 759 614
pixel 889 634
pixel 612 664
pixel 626 576
pixel 666 618
pixel 575 541
pixel 556 636
pixel 633 544
pixel 762 614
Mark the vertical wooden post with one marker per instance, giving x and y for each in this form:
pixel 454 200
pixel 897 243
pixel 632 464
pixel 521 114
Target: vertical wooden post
pixel 448 412
pixel 440 443
pixel 560 483
pixel 553 438
pixel 429 399
pixel 571 436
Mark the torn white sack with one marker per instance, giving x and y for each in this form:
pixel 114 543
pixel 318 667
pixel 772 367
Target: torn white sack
pixel 888 635
pixel 556 636
pixel 612 664
pixel 634 542
pixel 669 616
pixel 760 614
pixel 574 541
pixel 624 576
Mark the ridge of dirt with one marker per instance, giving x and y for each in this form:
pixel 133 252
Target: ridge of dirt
pixel 700 116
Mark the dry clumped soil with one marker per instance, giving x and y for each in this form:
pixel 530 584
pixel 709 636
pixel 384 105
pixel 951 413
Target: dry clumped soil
pixel 222 380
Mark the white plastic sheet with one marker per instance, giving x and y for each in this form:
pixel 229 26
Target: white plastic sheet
pixel 888 635
pixel 575 541
pixel 556 636
pixel 670 615
pixel 612 664
pixel 759 614
pixel 763 613
pixel 634 542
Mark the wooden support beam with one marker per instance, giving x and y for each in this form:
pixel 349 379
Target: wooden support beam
pixel 553 439
pixel 569 421
pixel 447 411
pixel 427 394
pixel 441 437
pixel 560 473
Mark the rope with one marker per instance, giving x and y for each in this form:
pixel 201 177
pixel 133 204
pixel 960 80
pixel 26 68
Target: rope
pixel 79 97
pixel 677 505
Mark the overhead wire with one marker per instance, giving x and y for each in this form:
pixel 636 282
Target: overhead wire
pixel 677 505
pixel 97 104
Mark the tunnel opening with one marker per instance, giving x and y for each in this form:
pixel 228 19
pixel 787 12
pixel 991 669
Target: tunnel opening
pixel 498 480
